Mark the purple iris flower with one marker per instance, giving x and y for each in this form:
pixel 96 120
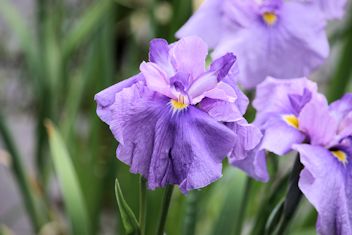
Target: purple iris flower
pixel 293 115
pixel 326 179
pixel 283 39
pixel 173 119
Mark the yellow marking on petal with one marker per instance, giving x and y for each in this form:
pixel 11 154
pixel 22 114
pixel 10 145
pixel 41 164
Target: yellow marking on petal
pixel 291 120
pixel 177 105
pixel 341 156
pixel 269 18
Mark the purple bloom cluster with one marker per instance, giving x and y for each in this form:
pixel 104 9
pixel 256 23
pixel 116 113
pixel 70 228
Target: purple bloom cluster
pixel 176 121
pixel 283 39
pixel 294 116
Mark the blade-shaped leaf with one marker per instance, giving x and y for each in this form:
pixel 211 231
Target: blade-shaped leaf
pixel 70 187
pixel 129 220
pixel 85 25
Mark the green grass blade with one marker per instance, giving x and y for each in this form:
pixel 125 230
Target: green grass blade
pixel 70 187
pixel 18 25
pixel 129 220
pixel 85 26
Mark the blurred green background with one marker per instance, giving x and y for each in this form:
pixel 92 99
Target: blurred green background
pixel 57 159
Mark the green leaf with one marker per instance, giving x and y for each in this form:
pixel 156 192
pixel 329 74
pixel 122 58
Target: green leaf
pixel 70 187
pixel 85 26
pixel 129 220
pixel 18 25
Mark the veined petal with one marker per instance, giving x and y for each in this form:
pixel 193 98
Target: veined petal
pixel 279 137
pixel 106 97
pixel 222 111
pixel 328 186
pixel 184 148
pixel 188 55
pixel 222 91
pixel 159 54
pixel 204 83
pixel 254 165
pixel 156 79
pixel 316 121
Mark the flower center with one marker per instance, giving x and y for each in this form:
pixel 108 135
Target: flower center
pixel 179 104
pixel 269 18
pixel 341 156
pixel 291 120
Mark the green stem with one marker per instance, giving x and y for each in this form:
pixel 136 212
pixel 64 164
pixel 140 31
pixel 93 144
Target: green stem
pixel 243 207
pixel 165 209
pixel 20 175
pixel 142 204
pixel 293 198
pixel 191 213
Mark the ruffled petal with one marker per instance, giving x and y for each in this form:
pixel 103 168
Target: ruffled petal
pixel 221 111
pixel 327 184
pixel 254 165
pixel 106 97
pixel 188 56
pixel 184 148
pixel 316 121
pixel 279 137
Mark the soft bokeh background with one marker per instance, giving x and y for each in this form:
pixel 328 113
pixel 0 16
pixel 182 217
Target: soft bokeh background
pixel 54 56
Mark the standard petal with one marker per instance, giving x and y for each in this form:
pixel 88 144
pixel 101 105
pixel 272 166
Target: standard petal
pixel 332 9
pixel 223 65
pixel 254 165
pixel 316 121
pixel 188 56
pixel 205 23
pixel 273 96
pixel 279 137
pixel 159 54
pixel 106 97
pixel 156 78
pixel 327 185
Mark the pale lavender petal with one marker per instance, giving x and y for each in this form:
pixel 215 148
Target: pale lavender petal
pixel 106 97
pixel 159 54
pixel 254 165
pixel 275 96
pixel 293 47
pixel 221 111
pixel 222 91
pixel 316 121
pixel 205 23
pixel 327 184
pixel 219 69
pixel 332 9
pixel 279 137
pixel 156 79
pixel 188 56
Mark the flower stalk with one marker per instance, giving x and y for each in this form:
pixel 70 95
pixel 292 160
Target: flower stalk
pixel 292 200
pixel 165 209
pixel 142 204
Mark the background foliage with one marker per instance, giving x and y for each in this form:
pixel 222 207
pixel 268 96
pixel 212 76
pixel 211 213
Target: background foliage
pixel 63 170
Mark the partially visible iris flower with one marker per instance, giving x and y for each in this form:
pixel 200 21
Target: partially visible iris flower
pixel 176 120
pixel 294 116
pixel 278 38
